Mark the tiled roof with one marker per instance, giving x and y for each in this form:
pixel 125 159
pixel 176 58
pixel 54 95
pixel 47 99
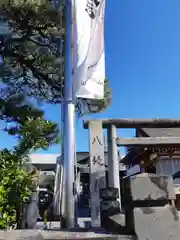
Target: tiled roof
pixel 49 160
pixel 161 132
pixel 52 158
pixel 134 155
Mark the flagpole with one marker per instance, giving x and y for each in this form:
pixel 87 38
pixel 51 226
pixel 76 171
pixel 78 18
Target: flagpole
pixel 69 127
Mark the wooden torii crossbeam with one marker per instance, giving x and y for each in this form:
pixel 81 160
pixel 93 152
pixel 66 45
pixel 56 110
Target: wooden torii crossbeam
pixel 149 141
pixel 138 123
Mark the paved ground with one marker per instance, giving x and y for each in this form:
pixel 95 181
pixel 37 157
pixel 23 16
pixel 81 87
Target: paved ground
pixel 52 225
pixel 82 222
pixel 56 235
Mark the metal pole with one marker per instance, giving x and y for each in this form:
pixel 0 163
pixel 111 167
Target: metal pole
pixel 113 160
pixel 69 134
pixel 61 169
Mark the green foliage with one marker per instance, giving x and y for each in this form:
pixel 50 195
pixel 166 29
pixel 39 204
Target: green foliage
pixel 29 74
pixel 35 134
pixel 30 51
pixel 16 107
pixel 15 183
pixel 15 188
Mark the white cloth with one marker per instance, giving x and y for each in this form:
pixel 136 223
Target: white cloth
pixel 88 52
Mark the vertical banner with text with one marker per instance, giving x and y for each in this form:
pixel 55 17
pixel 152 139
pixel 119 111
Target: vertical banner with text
pixel 88 47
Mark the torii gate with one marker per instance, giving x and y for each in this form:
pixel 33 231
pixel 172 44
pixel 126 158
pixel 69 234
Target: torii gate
pixel 96 145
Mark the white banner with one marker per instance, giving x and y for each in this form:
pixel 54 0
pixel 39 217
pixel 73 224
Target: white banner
pixel 88 54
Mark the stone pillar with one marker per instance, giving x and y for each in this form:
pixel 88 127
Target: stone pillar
pixel 113 160
pixel 32 211
pixel 97 169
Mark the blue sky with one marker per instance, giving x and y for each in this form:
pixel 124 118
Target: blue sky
pixel 142 40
